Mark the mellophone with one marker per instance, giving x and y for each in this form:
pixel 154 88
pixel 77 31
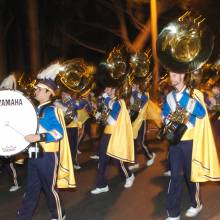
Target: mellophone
pixel 18 118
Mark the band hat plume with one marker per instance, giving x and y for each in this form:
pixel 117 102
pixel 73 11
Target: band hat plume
pixel 51 71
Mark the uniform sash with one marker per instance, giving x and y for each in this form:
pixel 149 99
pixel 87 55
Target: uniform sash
pixel 205 163
pixel 121 143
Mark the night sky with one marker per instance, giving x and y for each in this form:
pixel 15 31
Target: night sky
pixel 85 28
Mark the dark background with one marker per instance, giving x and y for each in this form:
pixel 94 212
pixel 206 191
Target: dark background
pixel 82 28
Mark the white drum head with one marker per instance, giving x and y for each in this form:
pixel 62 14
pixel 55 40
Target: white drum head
pixel 17 119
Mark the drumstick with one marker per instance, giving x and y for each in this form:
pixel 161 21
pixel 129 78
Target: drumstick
pixel 7 124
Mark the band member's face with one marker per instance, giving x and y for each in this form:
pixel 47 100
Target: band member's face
pixel 135 87
pixel 42 95
pixel 215 90
pixel 176 79
pixel 64 95
pixel 110 91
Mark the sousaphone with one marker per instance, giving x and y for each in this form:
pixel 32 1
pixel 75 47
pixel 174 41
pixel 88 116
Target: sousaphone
pixel 185 44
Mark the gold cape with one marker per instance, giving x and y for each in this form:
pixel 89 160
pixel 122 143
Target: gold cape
pixel 150 111
pixel 65 175
pixel 82 115
pixel 153 112
pixel 121 143
pixel 205 163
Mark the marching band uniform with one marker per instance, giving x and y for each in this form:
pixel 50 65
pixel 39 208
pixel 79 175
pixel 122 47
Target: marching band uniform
pixel 116 142
pixel 8 165
pixel 140 126
pixel 73 126
pixel 84 112
pixel 214 106
pixel 45 172
pixel 189 158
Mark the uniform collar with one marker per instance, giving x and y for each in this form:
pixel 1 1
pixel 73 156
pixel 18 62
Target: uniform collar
pixel 45 103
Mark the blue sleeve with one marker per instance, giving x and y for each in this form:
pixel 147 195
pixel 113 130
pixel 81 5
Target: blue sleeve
pixel 107 100
pixel 207 101
pixel 166 109
pixel 82 104
pixel 116 107
pixel 89 108
pixel 73 104
pixel 51 125
pixel 144 99
pixel 199 110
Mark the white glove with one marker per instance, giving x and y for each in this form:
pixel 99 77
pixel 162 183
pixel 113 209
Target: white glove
pixel 97 115
pixel 105 95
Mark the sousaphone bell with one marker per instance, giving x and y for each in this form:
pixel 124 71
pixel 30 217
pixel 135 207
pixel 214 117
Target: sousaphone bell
pixel 185 44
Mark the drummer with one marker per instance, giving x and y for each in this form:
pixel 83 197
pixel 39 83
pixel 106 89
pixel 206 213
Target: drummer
pixel 42 171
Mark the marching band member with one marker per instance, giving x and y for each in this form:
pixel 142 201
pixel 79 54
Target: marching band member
pixel 72 124
pixel 84 117
pixel 8 165
pixel 116 141
pixel 192 153
pixel 215 112
pixel 139 124
pixel 44 172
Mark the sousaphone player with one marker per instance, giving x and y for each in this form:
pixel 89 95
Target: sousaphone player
pixel 184 46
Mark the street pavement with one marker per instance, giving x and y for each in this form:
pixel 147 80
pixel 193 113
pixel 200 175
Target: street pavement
pixel 144 201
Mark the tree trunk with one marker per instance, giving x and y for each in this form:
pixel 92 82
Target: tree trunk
pixel 34 36
pixel 153 7
pixel 3 55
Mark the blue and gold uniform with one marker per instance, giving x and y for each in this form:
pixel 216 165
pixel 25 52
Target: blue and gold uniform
pixel 42 172
pixel 180 155
pixel 116 142
pixel 140 124
pixel 72 123
pixel 84 117
pixel 7 163
pixel 47 172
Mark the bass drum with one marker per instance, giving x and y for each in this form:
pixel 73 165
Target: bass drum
pixel 17 119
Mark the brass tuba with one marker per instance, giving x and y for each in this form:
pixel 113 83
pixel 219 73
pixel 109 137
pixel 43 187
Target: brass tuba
pixel 128 67
pixel 116 62
pixel 76 77
pixel 185 44
pixel 140 66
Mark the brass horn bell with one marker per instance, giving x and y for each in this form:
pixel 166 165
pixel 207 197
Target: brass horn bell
pixel 185 44
pixel 77 76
